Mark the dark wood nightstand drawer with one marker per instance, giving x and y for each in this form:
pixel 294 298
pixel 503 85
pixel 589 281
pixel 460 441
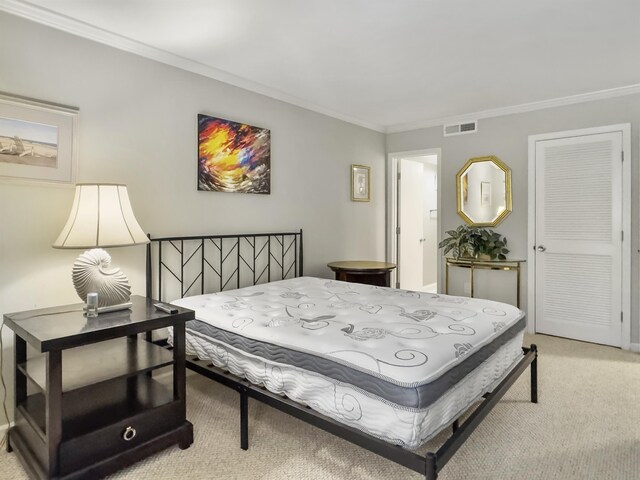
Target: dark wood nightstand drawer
pixel 82 451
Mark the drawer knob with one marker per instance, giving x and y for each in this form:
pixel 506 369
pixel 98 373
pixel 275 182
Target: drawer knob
pixel 129 434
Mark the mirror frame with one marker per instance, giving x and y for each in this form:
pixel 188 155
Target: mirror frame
pixel 508 207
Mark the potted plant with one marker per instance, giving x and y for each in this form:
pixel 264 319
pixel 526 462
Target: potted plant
pixel 475 242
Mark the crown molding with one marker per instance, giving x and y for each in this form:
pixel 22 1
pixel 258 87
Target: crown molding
pixel 85 30
pixel 522 108
pixel 91 32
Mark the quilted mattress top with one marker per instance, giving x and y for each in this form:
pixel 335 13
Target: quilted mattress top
pixel 403 337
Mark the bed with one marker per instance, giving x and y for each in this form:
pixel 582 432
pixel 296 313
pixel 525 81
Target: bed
pixel 384 368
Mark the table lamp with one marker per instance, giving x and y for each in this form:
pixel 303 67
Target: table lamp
pixel 101 216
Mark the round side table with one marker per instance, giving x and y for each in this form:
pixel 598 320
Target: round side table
pixel 362 271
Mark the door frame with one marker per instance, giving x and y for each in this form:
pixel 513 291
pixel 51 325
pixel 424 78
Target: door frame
pixel 625 129
pixel 391 217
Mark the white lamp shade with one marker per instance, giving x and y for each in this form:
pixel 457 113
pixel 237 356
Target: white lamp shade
pixel 101 216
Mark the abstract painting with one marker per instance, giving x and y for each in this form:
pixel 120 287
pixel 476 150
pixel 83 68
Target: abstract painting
pixel 233 157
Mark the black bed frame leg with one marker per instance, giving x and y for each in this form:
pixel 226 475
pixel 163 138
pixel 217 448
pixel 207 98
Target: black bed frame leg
pixel 534 374
pixel 244 419
pixel 430 466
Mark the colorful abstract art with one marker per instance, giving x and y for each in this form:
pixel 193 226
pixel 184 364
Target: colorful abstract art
pixel 233 157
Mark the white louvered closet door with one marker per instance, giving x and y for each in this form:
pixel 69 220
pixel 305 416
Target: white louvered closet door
pixel 578 237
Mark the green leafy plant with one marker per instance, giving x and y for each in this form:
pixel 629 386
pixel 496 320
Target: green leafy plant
pixel 474 242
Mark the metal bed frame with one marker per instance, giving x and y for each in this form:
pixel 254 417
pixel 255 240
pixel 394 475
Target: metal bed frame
pixel 249 259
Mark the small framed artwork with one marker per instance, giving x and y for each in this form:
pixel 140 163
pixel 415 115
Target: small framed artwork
pixel 37 141
pixel 360 183
pixel 485 194
pixel 233 157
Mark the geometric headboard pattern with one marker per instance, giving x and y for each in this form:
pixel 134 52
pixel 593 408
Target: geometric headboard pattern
pixel 178 267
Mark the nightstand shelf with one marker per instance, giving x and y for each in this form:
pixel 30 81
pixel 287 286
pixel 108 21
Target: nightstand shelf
pixel 87 405
pixel 91 364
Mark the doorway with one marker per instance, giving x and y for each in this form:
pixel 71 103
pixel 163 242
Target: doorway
pixel 579 258
pixel 413 226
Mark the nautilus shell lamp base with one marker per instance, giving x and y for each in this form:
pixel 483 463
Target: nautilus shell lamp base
pixel 92 272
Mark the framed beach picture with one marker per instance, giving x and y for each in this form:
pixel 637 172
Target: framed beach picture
pixel 360 183
pixel 37 141
pixel 233 157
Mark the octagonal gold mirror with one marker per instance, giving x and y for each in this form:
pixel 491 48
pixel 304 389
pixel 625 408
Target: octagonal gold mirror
pixel 483 188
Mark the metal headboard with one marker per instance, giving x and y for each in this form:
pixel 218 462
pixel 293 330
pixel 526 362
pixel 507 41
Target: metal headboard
pixel 195 265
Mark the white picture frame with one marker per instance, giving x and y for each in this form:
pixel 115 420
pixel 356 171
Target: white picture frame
pixel 38 141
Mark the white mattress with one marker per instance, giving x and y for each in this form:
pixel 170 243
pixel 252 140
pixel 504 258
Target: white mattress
pixel 402 337
pixel 408 427
pixel 396 364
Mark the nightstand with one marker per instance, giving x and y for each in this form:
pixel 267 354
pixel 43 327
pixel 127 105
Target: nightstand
pixel 86 404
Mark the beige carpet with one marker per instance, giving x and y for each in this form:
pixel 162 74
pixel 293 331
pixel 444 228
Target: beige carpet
pixel 586 426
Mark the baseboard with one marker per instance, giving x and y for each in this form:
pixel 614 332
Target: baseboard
pixel 635 347
pixel 4 428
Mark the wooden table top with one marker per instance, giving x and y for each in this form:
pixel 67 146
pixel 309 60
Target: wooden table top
pixel 62 327
pixel 360 265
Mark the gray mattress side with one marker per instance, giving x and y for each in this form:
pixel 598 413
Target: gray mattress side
pixel 419 397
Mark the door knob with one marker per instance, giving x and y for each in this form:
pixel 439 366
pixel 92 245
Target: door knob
pixel 542 248
pixel 423 240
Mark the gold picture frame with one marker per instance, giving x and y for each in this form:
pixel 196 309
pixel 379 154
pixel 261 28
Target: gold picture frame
pixel 360 183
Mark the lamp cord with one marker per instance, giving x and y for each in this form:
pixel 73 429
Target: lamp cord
pixel 5 437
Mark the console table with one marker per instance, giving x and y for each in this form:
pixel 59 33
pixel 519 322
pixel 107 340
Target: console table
pixel 475 264
pixel 371 273
pixel 87 405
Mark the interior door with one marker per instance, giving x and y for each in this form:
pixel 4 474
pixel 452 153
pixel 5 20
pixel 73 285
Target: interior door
pixel 410 220
pixel 578 243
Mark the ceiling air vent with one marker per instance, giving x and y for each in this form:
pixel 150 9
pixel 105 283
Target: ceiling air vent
pixel 461 128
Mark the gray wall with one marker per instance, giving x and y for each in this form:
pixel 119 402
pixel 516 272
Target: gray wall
pixel 507 138
pixel 138 127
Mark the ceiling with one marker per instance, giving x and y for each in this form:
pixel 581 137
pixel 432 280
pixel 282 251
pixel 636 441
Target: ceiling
pixel 385 64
